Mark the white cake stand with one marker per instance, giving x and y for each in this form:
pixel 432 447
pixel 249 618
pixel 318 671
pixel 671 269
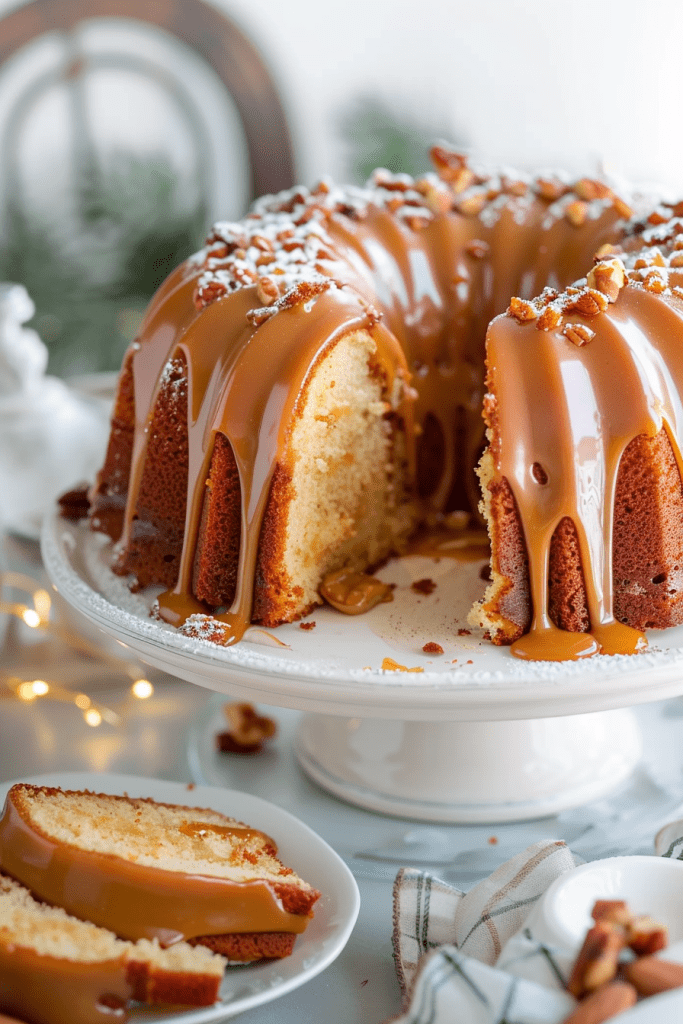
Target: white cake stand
pixel 476 736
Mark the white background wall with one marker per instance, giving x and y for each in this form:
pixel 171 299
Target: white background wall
pixel 527 81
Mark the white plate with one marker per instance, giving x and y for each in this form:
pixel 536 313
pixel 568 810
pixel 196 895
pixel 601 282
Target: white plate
pixel 336 911
pixel 336 667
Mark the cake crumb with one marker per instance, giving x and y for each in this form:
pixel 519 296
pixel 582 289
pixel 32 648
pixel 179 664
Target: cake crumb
pixel 247 730
pixel 469 662
pixel 425 586
pixel 74 504
pixel 493 840
pixel 432 648
pixel 307 625
pixel 464 632
pixel 191 785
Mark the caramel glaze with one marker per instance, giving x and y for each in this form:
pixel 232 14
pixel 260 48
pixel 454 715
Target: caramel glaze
pixel 574 410
pixel 47 990
pixel 354 592
pixel 132 900
pixel 435 287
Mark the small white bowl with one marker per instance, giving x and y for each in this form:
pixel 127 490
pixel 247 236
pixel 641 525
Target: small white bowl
pixel 650 885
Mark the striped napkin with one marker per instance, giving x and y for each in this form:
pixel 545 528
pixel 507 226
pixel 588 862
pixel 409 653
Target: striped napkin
pixel 473 958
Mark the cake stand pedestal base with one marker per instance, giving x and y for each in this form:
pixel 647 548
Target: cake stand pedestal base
pixel 470 772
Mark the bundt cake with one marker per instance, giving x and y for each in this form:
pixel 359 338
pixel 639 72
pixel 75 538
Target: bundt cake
pixel 309 388
pixel 161 872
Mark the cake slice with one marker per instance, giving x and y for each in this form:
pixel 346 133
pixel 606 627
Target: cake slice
pixel 55 969
pixel 155 871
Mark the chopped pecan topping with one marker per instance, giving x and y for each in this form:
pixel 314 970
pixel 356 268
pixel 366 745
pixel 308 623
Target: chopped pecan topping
pixel 588 302
pixel 608 277
pixel 432 648
pixel 655 281
pixel 267 291
pixel 471 205
pixel 439 200
pixel 522 310
pixel 451 166
pixel 576 212
pixel 607 250
pixel 589 189
pixel 515 188
pixel 578 334
pixel 549 319
pixel 551 188
pixel 622 208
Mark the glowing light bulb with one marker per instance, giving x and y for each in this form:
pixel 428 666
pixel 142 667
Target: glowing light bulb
pixel 39 687
pixel 92 717
pixel 26 692
pixel 142 689
pixel 82 701
pixel 31 617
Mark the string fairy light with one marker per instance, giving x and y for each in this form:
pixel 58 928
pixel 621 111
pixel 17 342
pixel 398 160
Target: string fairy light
pixel 38 617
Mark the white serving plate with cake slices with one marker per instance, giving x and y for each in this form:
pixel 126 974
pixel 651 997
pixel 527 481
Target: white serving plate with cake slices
pixel 247 986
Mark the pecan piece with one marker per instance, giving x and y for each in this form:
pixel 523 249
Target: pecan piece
pixel 622 207
pixel 549 319
pixel 550 188
pixel 651 975
pixel 472 205
pixel 605 1003
pixel 646 936
pixel 598 959
pixel 589 302
pixel 589 189
pixel 267 291
pixel 614 911
pixel 522 310
pixel 578 334
pixel 576 212
pixel 608 277
pixel 655 281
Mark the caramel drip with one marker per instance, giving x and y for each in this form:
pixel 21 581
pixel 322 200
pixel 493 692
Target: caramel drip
pixel 460 545
pixel 436 288
pixel 132 900
pixel 49 990
pixel 574 410
pixel 354 592
pixel 198 829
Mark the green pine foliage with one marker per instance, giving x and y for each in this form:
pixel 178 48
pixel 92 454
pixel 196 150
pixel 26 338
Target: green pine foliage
pixel 92 268
pixel 379 135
